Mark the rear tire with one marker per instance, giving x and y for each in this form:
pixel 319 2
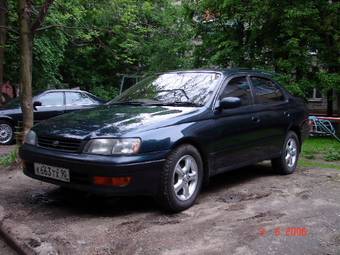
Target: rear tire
pixel 287 162
pixel 6 132
pixel 181 179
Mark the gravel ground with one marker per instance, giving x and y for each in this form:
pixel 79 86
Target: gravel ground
pixel 5 249
pixel 247 211
pixel 5 149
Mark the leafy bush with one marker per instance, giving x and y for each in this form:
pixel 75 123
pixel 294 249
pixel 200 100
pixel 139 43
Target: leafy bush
pixel 106 93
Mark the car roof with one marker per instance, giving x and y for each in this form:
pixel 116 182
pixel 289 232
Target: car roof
pixel 64 90
pixel 229 71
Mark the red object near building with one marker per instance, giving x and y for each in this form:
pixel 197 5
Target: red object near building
pixel 7 92
pixel 7 89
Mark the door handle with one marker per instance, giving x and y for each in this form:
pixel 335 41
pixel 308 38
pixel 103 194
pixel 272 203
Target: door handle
pixel 287 114
pixel 255 119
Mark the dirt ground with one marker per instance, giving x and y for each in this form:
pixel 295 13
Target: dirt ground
pixel 6 149
pixel 5 249
pixel 247 211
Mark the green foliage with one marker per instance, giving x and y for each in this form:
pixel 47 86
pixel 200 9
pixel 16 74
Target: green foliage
pixel 309 156
pixel 330 80
pixel 318 164
pixel 321 147
pixel 332 155
pixel 123 37
pixel 297 39
pixel 9 159
pixel 90 44
pixel 106 93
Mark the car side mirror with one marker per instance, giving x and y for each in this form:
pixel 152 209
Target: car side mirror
pixel 230 102
pixel 35 104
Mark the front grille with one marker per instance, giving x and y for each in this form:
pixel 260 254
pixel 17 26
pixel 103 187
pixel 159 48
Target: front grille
pixel 63 144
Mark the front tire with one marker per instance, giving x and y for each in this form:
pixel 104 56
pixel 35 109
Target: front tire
pixel 287 162
pixel 181 179
pixel 6 132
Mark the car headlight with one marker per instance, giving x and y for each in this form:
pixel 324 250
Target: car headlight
pixel 113 146
pixel 31 138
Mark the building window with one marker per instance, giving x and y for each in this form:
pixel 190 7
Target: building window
pixel 316 96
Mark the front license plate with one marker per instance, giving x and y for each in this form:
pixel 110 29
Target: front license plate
pixel 57 173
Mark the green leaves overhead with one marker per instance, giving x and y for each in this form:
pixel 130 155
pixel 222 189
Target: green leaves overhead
pixel 91 43
pixel 297 39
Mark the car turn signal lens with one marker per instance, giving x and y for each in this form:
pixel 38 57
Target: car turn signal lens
pixel 115 181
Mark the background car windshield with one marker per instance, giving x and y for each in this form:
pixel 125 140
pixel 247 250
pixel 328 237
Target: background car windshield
pixel 15 102
pixel 181 87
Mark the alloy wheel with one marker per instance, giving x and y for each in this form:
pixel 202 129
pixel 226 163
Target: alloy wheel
pixel 291 152
pixel 185 177
pixel 6 133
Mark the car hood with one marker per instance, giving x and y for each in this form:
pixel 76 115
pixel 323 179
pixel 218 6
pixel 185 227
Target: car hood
pixel 112 120
pixel 9 110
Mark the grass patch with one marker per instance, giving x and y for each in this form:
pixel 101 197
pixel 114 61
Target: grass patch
pixel 326 148
pixel 9 159
pixel 317 150
pixel 332 155
pixel 318 164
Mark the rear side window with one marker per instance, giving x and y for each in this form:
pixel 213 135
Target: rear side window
pixel 52 99
pixel 76 98
pixel 238 87
pixel 266 91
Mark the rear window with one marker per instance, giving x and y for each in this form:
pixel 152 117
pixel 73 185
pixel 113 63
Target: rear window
pixel 76 98
pixel 266 91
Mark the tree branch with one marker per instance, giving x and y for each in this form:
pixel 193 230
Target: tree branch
pixel 42 15
pixel 9 29
pixel 93 28
pixel 54 26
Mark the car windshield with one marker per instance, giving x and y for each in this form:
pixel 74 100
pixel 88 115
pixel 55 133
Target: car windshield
pixel 15 102
pixel 180 88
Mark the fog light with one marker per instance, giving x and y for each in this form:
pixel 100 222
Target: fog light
pixel 115 181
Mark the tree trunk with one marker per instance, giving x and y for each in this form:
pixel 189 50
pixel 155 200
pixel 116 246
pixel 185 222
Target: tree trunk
pixel 25 65
pixel 3 31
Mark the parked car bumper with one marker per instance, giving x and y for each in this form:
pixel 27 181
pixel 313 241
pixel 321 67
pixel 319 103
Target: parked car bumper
pixel 144 169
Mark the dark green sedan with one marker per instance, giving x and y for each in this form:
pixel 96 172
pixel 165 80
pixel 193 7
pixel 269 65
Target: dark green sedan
pixel 168 134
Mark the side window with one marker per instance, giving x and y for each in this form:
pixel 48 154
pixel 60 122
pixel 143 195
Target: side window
pixel 266 91
pixel 76 98
pixel 52 99
pixel 238 87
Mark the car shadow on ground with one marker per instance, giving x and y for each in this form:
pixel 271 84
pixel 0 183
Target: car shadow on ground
pixel 235 177
pixel 82 203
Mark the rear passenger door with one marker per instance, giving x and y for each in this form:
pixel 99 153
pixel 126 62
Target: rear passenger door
pixel 271 107
pixel 77 101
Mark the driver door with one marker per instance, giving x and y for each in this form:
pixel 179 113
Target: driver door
pixel 235 129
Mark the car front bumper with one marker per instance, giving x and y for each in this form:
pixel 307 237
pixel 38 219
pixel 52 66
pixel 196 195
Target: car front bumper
pixel 144 169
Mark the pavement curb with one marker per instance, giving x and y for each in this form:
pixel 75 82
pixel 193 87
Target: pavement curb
pixel 22 239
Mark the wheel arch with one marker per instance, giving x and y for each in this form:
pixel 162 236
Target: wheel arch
pixel 204 155
pixel 8 119
pixel 297 131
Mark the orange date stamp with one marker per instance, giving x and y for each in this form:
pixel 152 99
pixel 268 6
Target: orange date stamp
pixel 289 231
